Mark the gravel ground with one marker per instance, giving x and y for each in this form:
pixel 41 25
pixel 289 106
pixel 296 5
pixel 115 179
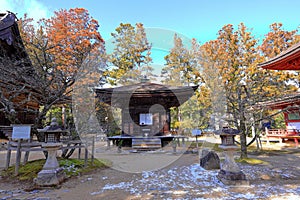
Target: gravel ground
pixel 181 179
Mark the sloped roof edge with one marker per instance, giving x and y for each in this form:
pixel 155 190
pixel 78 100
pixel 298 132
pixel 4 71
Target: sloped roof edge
pixel 278 62
pixel 7 20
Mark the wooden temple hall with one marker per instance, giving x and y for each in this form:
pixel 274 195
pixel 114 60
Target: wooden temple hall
pixel 145 111
pixel 290 104
pixel 287 60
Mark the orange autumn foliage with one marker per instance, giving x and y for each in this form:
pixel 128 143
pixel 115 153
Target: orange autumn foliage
pixel 74 34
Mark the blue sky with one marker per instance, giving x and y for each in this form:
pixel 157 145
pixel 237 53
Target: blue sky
pixel 200 19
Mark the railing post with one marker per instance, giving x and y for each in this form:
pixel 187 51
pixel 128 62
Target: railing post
pixel 8 155
pixel 18 158
pixel 267 133
pixel 93 150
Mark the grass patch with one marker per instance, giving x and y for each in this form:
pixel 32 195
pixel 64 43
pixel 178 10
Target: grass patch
pixel 26 172
pixel 208 145
pixel 193 144
pixel 74 167
pixel 71 166
pixel 217 148
pixel 251 161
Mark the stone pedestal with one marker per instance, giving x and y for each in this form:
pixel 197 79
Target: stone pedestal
pixel 230 173
pixel 51 174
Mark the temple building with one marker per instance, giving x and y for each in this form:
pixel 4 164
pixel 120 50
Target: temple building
pixel 13 59
pixel 286 60
pixel 145 107
pixel 290 104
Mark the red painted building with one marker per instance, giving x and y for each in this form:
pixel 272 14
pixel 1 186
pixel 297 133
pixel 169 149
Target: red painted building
pixel 287 60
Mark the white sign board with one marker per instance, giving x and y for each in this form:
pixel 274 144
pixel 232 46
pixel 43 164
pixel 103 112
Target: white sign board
pixel 21 131
pixel 145 118
pixel 196 132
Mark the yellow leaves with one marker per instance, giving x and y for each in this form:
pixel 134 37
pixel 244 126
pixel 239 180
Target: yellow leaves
pixel 177 124
pixel 277 40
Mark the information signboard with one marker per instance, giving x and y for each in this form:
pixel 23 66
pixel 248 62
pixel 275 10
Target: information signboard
pixel 21 131
pixel 196 132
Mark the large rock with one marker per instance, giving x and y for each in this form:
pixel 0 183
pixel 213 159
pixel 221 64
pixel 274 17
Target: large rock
pixel 232 178
pixel 210 160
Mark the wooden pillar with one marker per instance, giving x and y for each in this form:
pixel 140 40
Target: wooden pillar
pixel 85 156
pixel 267 133
pixel 26 156
pixel 169 119
pixel 93 151
pixel 126 127
pixel 8 155
pixel 79 152
pixel 162 121
pixel 122 121
pixel 18 157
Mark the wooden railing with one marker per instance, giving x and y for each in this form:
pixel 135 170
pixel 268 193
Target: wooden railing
pixel 6 130
pixel 282 134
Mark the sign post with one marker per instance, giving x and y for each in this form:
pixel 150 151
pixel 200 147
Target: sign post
pixel 20 132
pixel 196 132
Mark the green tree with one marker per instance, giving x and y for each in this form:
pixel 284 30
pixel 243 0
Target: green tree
pixel 181 64
pixel 131 56
pixel 195 113
pixel 182 68
pixel 212 80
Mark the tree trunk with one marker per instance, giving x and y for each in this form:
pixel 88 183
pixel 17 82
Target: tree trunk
pixel 242 127
pixel 244 153
pixel 243 138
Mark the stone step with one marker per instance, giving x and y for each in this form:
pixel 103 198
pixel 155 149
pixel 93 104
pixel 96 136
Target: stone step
pixel 146 143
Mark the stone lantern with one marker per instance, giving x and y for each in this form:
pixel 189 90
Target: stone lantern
pixel 51 174
pixel 230 172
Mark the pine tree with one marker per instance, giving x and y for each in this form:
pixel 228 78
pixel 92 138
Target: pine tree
pixel 131 56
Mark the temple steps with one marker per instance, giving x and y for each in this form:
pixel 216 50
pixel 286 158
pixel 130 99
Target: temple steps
pixel 146 143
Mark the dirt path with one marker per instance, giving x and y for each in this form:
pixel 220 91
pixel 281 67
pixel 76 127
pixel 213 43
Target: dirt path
pixel 279 178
